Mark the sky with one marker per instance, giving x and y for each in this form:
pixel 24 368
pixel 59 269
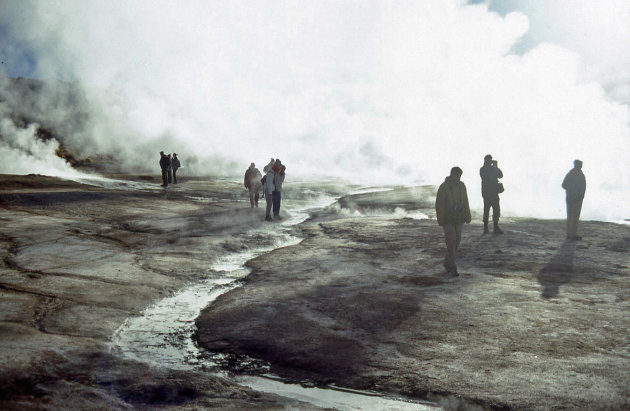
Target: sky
pixel 598 31
pixel 377 92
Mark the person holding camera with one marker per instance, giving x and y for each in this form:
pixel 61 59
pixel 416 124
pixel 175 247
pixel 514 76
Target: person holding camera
pixel 490 189
pixel 452 211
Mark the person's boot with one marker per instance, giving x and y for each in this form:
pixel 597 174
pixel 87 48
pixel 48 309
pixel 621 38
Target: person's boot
pixel 496 229
pixel 485 228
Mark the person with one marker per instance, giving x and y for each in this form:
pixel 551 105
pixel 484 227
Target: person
pixel 574 184
pixel 452 210
pixel 164 163
pixel 265 171
pixel 490 188
pixel 175 164
pixel 268 189
pixel 169 169
pixel 278 179
pixel 253 184
pixel 269 165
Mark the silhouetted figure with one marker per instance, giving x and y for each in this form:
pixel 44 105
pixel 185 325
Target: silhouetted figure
pixel 278 179
pixel 575 185
pixel 452 210
pixel 253 184
pixel 175 164
pixel 490 188
pixel 164 164
pixel 268 189
pixel 169 169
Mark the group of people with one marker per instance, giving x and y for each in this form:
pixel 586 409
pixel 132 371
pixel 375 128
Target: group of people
pixel 452 208
pixel 451 203
pixel 270 183
pixel 169 166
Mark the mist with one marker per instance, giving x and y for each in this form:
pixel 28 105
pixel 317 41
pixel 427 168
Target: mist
pixel 370 91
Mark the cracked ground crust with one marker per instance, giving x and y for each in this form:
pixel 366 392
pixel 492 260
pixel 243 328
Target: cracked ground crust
pixel 532 322
pixel 75 262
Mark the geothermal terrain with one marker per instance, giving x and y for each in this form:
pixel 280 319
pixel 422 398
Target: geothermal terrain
pixel 357 298
pixel 116 293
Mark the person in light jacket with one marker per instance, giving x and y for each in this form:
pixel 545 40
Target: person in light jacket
pixel 575 185
pixel 452 211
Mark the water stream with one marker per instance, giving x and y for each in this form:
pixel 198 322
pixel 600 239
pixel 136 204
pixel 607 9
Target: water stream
pixel 163 334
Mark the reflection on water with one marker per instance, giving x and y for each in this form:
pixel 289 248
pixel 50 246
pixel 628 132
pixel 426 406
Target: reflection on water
pixel 114 184
pixel 163 334
pixel 336 398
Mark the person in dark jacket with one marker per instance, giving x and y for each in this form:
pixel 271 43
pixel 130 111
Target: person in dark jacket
pixel 268 189
pixel 252 184
pixel 164 164
pixel 452 211
pixel 169 169
pixel 490 174
pixel 278 169
pixel 575 186
pixel 175 164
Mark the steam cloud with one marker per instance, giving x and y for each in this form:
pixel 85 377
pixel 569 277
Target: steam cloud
pixel 373 91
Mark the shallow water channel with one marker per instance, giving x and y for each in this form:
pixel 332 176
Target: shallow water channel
pixel 163 334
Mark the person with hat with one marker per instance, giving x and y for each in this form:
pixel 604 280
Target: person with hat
pixel 574 184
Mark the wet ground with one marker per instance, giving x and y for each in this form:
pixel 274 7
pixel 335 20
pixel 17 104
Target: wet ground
pixel 533 321
pixel 362 302
pixel 78 260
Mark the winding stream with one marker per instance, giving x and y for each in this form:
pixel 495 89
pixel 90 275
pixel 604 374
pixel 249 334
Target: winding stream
pixel 163 334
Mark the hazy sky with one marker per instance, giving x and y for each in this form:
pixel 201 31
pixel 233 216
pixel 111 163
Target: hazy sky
pixel 374 91
pixel 598 30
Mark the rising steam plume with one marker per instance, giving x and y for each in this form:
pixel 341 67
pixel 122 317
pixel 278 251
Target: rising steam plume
pixel 373 91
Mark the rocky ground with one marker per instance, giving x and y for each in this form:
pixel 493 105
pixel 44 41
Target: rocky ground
pixel 363 302
pixel 77 260
pixel 533 321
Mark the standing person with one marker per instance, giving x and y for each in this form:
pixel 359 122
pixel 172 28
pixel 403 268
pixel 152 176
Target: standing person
pixel 253 184
pixel 176 165
pixel 452 210
pixel 490 188
pixel 164 163
pixel 278 179
pixel 265 171
pixel 268 189
pixel 269 165
pixel 575 185
pixel 169 170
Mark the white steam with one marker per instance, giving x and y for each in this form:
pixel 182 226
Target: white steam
pixel 377 91
pixel 22 153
